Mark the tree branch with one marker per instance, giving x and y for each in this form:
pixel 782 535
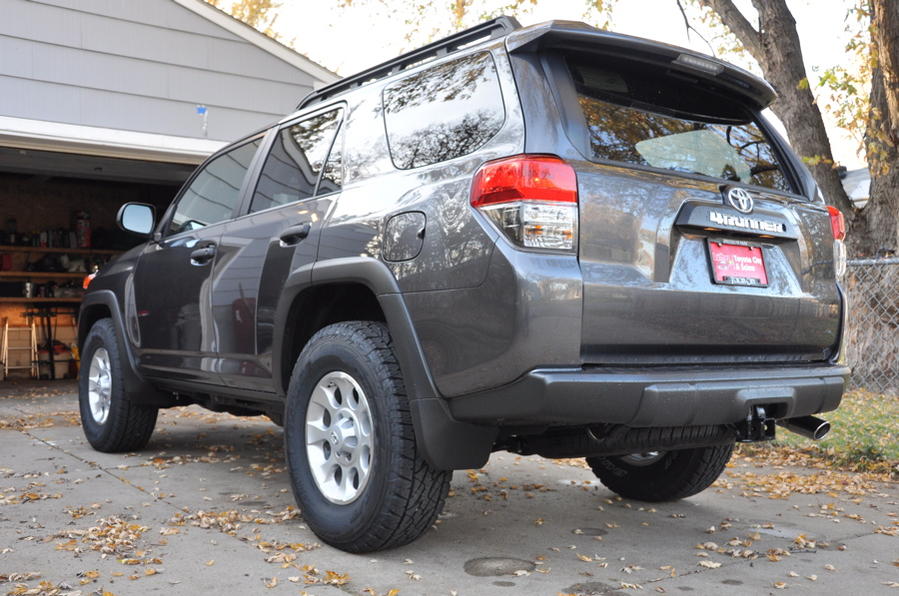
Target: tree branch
pixel 690 27
pixel 738 24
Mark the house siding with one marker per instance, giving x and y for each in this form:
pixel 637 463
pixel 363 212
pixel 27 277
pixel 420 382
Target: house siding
pixel 141 66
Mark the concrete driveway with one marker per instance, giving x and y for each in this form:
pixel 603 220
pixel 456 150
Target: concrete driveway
pixel 206 508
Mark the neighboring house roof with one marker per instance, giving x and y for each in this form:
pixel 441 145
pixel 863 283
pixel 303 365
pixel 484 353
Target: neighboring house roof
pixel 155 80
pixel 857 184
pixel 259 39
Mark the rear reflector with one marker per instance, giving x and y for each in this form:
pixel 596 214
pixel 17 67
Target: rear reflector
pixel 837 222
pixel 531 199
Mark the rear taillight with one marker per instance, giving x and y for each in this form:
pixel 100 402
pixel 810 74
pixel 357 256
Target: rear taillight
pixel 532 199
pixel 837 223
pixel 838 227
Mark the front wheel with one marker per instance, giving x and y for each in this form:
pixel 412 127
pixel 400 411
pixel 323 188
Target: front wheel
pixel 662 475
pixel 355 468
pixel 112 423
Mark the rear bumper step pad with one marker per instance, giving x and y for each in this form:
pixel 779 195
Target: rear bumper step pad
pixel 649 397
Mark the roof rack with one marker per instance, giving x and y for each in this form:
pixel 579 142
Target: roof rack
pixel 487 30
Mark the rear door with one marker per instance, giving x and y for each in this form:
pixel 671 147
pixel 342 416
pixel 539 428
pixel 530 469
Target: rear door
pixel 694 244
pixel 299 180
pixel 172 290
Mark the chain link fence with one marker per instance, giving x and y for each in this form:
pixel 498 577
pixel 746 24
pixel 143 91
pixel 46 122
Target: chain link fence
pixel 873 351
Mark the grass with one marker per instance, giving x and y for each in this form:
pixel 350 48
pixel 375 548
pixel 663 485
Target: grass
pixel 864 437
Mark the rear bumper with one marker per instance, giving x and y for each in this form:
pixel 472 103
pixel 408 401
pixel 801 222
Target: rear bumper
pixel 675 396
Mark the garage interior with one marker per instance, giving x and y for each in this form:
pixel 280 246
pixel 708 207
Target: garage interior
pixel 57 224
pixel 102 103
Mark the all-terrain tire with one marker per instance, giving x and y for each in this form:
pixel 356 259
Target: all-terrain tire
pixel 403 494
pixel 674 475
pixel 127 426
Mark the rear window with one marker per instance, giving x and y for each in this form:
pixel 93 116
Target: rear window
pixel 443 112
pixel 647 117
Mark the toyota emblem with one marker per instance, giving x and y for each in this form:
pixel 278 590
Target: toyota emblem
pixel 740 199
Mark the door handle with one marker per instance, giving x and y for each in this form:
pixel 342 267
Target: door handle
pixel 294 235
pixel 201 256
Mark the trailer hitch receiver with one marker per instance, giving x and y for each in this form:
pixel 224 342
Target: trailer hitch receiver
pixel 758 426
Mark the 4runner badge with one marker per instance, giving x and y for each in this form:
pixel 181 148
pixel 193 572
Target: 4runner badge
pixel 740 200
pixel 746 223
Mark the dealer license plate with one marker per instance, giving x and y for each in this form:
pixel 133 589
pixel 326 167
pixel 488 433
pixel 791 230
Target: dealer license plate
pixel 737 264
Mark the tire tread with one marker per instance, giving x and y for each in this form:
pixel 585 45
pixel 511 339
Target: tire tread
pixel 417 491
pixel 130 425
pixel 681 474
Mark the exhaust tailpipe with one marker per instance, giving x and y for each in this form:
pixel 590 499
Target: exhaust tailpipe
pixel 809 427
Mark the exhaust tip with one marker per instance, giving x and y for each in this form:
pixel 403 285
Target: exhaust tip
pixel 822 430
pixel 810 427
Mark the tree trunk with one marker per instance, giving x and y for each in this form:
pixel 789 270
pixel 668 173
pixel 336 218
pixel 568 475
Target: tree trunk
pixel 874 231
pixel 775 46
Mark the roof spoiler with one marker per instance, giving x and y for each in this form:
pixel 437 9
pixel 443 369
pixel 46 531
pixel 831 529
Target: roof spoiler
pixel 491 29
pixel 573 35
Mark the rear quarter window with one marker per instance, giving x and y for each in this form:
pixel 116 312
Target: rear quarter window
pixel 646 118
pixel 443 112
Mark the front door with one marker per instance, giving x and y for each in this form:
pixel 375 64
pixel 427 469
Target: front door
pixel 172 281
pixel 299 181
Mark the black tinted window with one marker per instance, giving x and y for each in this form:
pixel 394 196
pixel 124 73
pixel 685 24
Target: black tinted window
pixel 292 167
pixel 214 192
pixel 650 119
pixel 443 112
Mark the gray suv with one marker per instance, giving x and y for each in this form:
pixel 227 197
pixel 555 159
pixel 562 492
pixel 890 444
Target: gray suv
pixel 547 240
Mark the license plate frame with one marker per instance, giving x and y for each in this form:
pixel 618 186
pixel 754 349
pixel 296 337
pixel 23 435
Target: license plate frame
pixel 735 263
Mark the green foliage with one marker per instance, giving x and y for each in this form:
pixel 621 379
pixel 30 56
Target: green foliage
pixel 847 88
pixel 863 435
pixel 815 160
pixel 259 14
pixel 722 42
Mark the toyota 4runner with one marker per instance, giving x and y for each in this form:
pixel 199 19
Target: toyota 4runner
pixel 548 240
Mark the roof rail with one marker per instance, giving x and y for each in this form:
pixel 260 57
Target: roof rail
pixel 487 30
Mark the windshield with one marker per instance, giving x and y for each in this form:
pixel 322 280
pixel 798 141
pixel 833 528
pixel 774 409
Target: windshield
pixel 645 118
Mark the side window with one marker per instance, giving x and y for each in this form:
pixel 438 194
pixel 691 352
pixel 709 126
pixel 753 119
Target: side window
pixel 332 175
pixel 298 155
pixel 443 112
pixel 215 191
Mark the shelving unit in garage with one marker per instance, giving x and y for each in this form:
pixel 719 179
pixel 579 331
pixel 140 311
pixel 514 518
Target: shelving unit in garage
pixel 50 319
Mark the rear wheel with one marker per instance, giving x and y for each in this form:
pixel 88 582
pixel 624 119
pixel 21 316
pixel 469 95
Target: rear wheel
pixel 662 475
pixel 111 422
pixel 356 471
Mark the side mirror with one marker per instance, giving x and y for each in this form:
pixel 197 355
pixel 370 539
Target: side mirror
pixel 137 218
